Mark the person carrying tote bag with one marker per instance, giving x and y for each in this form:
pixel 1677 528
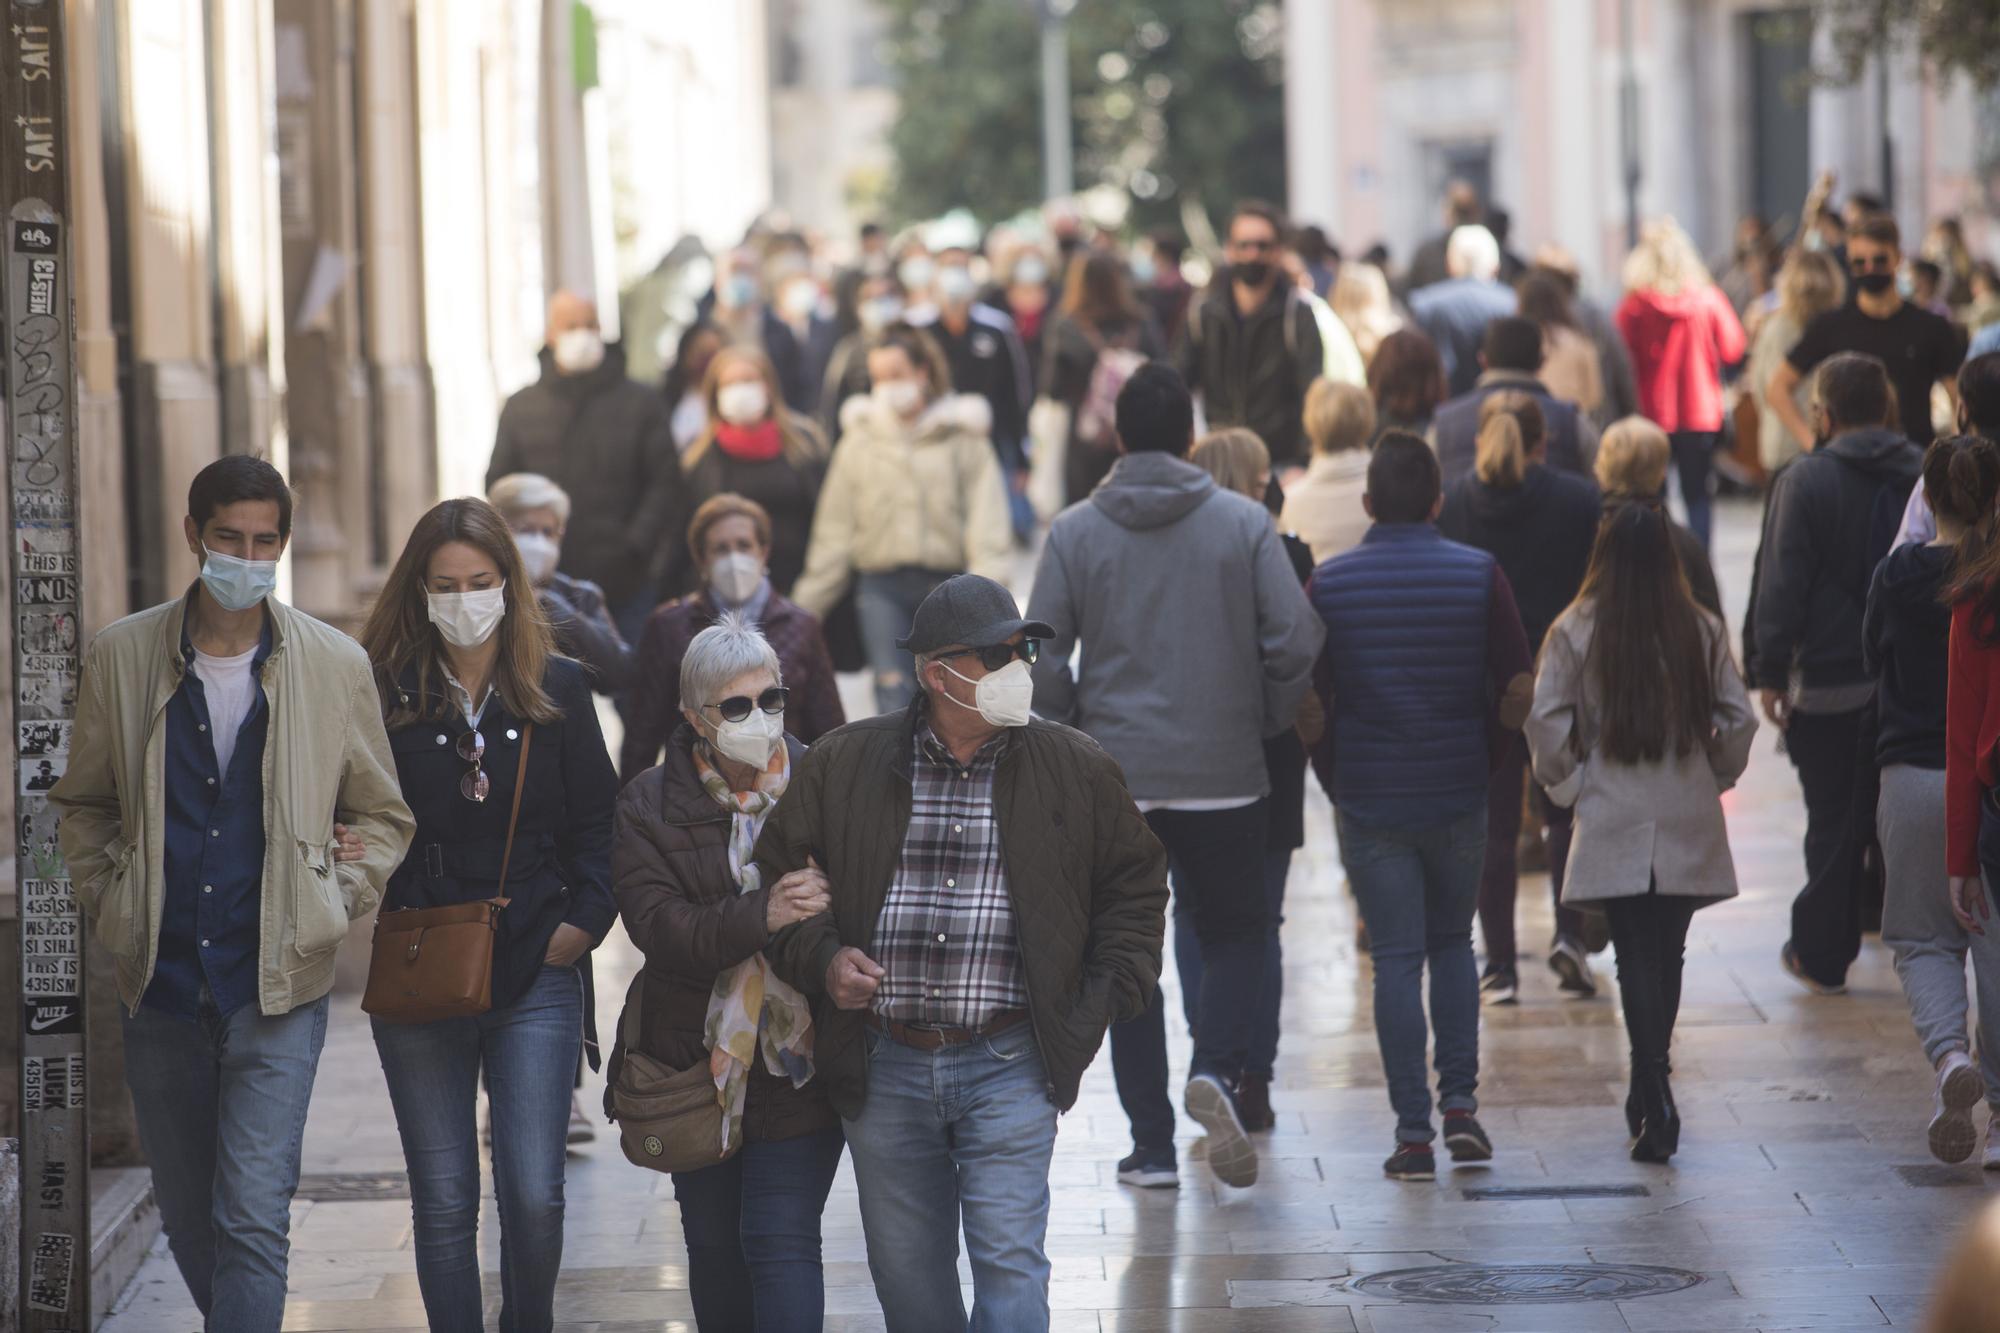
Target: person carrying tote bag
pixel 713 1077
pixel 499 754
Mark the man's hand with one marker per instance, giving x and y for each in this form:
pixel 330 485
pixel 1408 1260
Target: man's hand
pixel 1968 897
pixel 568 944
pixel 1777 707
pixel 801 894
pixel 852 979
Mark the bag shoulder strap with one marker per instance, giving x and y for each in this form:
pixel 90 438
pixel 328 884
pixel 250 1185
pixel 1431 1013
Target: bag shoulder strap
pixel 514 815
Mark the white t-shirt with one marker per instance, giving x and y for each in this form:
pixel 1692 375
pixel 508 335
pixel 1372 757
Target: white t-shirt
pixel 230 689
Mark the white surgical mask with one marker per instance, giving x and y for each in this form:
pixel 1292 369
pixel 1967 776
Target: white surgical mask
pixel 753 740
pixel 578 351
pixel 801 298
pixel 1031 272
pixel 468 619
pixel 916 273
pixel 880 313
pixel 1004 697
pixel 903 397
pixel 955 286
pixel 237 584
pixel 541 553
pixel 736 577
pixel 742 404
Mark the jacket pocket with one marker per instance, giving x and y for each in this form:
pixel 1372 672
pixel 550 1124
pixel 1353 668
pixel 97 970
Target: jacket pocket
pixel 319 908
pixel 119 913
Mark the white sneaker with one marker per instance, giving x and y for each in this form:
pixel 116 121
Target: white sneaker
pixel 1959 1089
pixel 581 1130
pixel 1231 1154
pixel 1991 1161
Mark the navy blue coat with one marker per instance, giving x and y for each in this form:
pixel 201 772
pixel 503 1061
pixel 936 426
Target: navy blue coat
pixel 561 868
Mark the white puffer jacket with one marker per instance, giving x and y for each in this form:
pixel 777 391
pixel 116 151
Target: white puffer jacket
pixel 926 495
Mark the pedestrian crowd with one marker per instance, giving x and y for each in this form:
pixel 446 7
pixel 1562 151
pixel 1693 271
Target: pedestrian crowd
pixel 1292 513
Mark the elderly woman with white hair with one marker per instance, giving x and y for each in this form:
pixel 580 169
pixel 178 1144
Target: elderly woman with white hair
pixel 694 902
pixel 538 511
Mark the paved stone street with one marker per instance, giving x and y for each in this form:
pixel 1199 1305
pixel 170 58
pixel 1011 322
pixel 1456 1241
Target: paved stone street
pixel 1803 1196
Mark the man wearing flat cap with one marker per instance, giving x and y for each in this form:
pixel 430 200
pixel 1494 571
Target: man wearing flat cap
pixel 998 901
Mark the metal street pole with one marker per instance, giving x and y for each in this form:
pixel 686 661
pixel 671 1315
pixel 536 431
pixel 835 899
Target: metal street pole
pixel 1628 120
pixel 1888 139
pixel 40 396
pixel 1058 168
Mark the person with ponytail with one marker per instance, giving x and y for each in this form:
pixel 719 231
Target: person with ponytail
pixel 1925 660
pixel 1538 523
pixel 1640 723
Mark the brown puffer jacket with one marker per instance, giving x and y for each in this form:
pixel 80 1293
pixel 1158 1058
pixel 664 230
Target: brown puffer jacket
pixel 1087 877
pixel 670 871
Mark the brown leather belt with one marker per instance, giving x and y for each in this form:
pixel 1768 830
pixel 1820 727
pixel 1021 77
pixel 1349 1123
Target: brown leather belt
pixel 926 1038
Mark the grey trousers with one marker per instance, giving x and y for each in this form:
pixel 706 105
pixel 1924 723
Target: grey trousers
pixel 1917 925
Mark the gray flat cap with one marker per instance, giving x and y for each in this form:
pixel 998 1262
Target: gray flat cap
pixel 970 610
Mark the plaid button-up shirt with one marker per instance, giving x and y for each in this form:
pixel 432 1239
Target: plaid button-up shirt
pixel 946 938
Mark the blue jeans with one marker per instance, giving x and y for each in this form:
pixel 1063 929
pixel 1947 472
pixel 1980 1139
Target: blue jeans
pixel 221 1105
pixel 886 604
pixel 1263 1053
pixel 1215 862
pixel 752 1230
pixel 961 1135
pixel 1418 889
pixel 528 1052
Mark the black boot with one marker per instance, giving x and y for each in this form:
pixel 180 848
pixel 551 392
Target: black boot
pixel 1660 1135
pixel 1635 1118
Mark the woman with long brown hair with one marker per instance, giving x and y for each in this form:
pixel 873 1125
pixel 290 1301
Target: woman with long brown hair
pixel 1906 644
pixel 757 448
pixel 1406 375
pixel 1539 523
pixel 1640 723
pixel 486 720
pixel 1099 336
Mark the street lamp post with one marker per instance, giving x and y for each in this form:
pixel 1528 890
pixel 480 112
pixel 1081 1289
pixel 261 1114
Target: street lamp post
pixel 1628 121
pixel 1058 169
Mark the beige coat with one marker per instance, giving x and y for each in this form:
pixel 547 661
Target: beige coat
pixel 1637 825
pixel 326 760
pixel 928 496
pixel 1324 507
pixel 1570 369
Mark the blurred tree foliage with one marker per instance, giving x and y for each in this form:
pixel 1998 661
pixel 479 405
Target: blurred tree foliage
pixel 1170 99
pixel 1953 36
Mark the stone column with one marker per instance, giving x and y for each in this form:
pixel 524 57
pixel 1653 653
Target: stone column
pixel 163 95
pixel 327 397
pixel 1312 115
pixel 392 276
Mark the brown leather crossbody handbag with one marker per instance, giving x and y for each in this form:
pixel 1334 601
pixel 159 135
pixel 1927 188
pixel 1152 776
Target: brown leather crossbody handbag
pixel 437 962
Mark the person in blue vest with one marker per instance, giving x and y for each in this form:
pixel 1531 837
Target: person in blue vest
pixel 1425 678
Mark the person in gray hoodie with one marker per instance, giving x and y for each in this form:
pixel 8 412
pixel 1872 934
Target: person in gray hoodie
pixel 1197 643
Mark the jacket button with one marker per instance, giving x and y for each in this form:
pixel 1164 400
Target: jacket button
pixel 441 740
pixel 208 888
pixel 513 735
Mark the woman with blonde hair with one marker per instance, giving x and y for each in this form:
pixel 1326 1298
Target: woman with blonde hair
pixel 1240 462
pixel 1361 299
pixel 1324 507
pixel 1631 468
pixel 501 760
pixel 1538 522
pixel 1809 284
pixel 1681 331
pixel 758 448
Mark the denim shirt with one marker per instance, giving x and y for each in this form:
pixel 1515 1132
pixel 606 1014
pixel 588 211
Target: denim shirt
pixel 214 868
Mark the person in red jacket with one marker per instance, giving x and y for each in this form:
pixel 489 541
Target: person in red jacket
pixel 1972 732
pixel 1681 331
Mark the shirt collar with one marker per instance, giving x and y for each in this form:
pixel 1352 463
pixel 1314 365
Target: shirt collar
pixel 932 750
pixel 264 644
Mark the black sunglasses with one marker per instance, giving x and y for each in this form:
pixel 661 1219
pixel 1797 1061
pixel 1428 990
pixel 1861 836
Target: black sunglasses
pixel 474 786
pixel 1873 264
pixel 737 706
pixel 1000 654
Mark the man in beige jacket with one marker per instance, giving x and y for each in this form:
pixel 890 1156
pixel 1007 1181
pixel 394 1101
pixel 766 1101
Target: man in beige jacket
pixel 230 806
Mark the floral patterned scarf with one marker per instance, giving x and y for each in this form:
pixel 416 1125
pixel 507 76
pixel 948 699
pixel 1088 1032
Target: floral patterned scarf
pixel 751 1010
